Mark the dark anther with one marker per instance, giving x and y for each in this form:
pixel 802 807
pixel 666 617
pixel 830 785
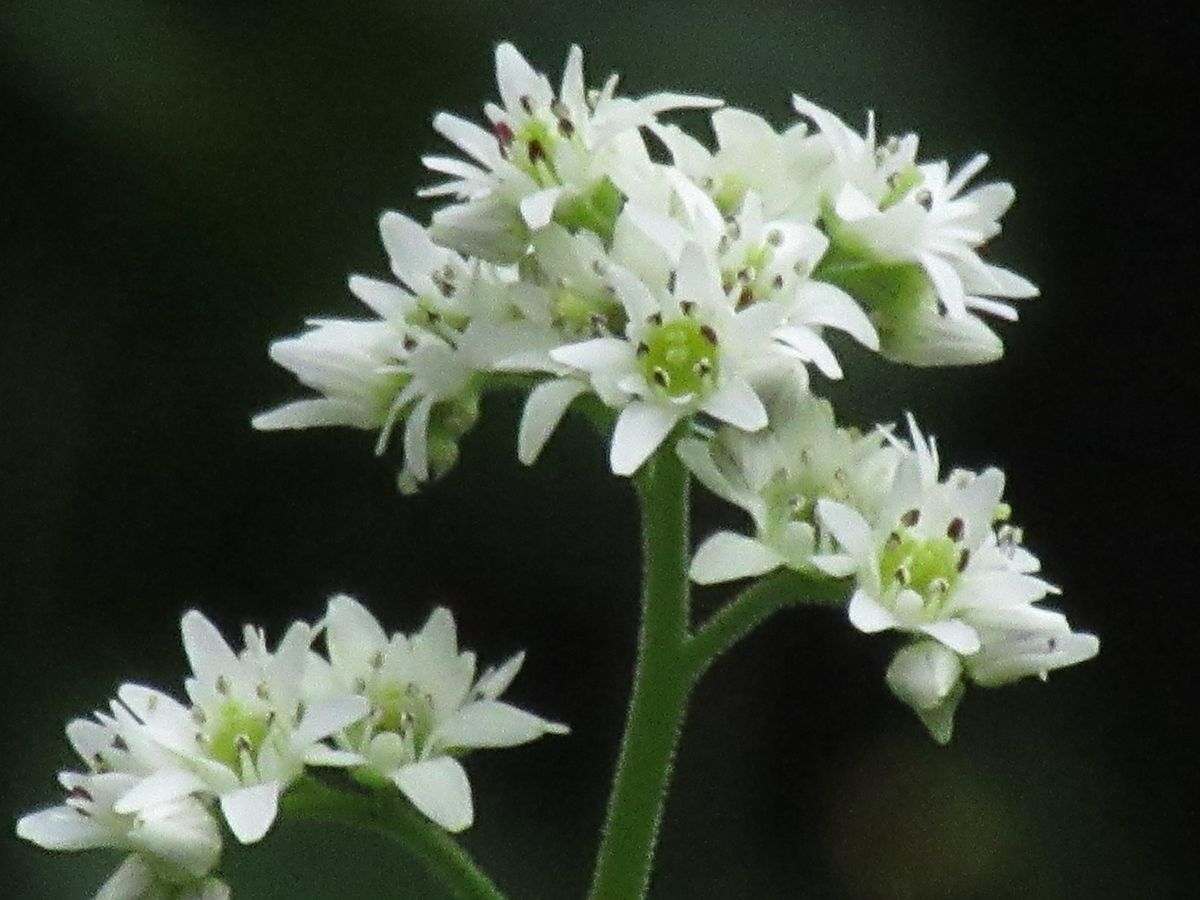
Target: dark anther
pixel 527 104
pixel 222 684
pixel 963 559
pixel 777 282
pixel 924 198
pixel 746 297
pixel 654 319
pixel 660 376
pixel 642 349
pixel 706 331
pixel 893 541
pixel 504 134
pixel 537 153
pixel 118 743
pixel 703 368
pixel 774 237
pixel 911 518
pixel 955 529
pixel 687 307
pixel 565 128
pixel 410 343
pixel 80 793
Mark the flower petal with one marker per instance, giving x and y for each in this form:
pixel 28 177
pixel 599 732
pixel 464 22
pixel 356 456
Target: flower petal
pixel 640 428
pixel 250 811
pixel 438 788
pixel 544 409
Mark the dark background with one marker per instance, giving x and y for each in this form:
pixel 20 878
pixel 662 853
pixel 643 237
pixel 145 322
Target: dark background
pixel 182 182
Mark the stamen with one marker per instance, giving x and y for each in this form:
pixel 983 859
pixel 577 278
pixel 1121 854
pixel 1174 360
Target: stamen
pixel 955 529
pixel 911 518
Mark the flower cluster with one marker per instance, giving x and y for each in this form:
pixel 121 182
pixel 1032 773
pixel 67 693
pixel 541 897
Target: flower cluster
pixel 569 260
pixel 160 774
pixel 933 558
pixel 592 252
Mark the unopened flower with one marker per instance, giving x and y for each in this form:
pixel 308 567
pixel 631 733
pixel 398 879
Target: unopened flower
pixel 427 708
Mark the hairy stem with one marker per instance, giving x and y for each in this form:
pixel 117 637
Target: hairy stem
pixel 751 608
pixel 396 819
pixel 661 687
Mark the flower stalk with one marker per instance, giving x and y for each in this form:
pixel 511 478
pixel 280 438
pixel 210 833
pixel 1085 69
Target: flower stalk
pixel 437 852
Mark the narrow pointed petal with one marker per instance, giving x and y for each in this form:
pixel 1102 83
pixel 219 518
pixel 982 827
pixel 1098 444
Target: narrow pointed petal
pixel 737 403
pixel 544 409
pixel 491 723
pixel 955 634
pixel 847 526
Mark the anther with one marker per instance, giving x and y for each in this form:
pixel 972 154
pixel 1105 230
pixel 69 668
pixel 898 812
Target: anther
pixel 119 744
pixel 504 134
pixel 892 542
pixel 565 128
pixel 939 586
pixel 955 529
pixel 409 343
pixel 746 297
pixel 661 378
pixel 687 307
pixel 642 349
pixel 902 576
pixel 963 559
pixel 654 319
pixel 924 198
pixel 79 792
pixel 775 237
pixel 777 282
pixel 242 744
pixel 537 153
pixel 262 692
pixel 703 368
pixel 706 331
pixel 911 518
pixel 222 685
pixel 527 104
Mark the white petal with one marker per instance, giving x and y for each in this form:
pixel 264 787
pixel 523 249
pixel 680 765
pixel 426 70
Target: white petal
pixel 63 828
pixel 416 439
pixel 352 635
pixel 726 556
pixel 544 409
pixel 251 810
pixel 947 283
pixel 439 789
pixel 595 355
pixel 824 304
pixel 955 634
pixel 133 880
pixel 847 526
pixel 470 138
pixel 537 209
pixel 207 651
pixel 736 402
pixel 867 615
pixel 852 204
pixel 494 682
pixel 159 787
pixel 640 428
pixel 517 79
pixel 413 255
pixel 490 723
pixel 811 347
pixel 323 719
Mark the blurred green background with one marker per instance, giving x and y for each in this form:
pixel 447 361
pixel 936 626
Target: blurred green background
pixel 180 182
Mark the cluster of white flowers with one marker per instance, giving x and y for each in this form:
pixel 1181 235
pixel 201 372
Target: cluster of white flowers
pixel 592 252
pixel 932 558
pixel 395 713
pixel 571 261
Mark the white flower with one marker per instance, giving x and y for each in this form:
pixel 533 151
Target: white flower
pixel 685 350
pixel 927 675
pixel 763 260
pixel 751 156
pixel 249 731
pixel 566 157
pixel 426 707
pixel 346 361
pixel 173 845
pixel 777 476
pixel 930 561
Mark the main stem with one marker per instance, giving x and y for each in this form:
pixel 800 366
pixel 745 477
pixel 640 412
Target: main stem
pixel 396 819
pixel 661 685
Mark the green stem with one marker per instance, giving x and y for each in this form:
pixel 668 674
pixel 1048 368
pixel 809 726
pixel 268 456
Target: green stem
pixel 661 686
pixel 751 608
pixel 396 819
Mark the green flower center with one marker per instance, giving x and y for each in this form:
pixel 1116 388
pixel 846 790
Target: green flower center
pixel 927 565
pixel 680 358
pixel 403 708
pixel 235 730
